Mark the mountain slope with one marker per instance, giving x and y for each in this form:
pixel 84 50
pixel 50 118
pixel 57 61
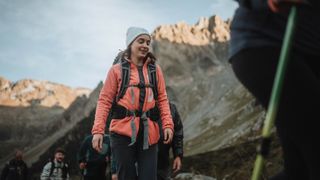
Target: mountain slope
pixel 32 110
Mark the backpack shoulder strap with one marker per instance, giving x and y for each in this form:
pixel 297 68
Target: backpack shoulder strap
pixel 125 78
pixel 65 170
pixel 152 70
pixel 52 167
pixel 125 75
pixel 118 58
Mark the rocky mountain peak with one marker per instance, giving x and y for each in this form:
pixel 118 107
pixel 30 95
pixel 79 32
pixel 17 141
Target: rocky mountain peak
pixel 34 114
pixel 205 31
pixel 4 83
pixel 29 92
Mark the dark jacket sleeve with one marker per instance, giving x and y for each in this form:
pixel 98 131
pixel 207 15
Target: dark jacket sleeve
pixel 315 3
pixel 177 142
pixel 113 164
pixel 26 171
pixel 4 172
pixel 107 141
pixel 111 156
pixel 83 149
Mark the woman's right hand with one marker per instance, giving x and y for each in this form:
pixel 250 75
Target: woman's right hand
pixel 82 165
pixel 114 177
pixel 97 141
pixel 168 134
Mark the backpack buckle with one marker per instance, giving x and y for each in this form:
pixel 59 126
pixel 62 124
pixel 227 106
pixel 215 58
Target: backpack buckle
pixel 138 113
pixel 141 85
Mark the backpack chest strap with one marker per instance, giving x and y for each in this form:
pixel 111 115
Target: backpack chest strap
pixel 141 85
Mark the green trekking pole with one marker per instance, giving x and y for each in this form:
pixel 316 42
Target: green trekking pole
pixel 275 96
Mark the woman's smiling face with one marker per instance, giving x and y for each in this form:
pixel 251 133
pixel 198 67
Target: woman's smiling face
pixel 140 46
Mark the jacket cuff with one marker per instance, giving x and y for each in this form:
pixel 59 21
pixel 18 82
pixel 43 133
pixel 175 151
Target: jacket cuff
pixel 178 153
pixel 168 126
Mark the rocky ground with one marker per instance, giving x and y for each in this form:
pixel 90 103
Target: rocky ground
pixel 234 163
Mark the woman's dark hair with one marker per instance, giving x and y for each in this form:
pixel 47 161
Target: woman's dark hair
pixel 60 150
pixel 151 56
pixel 127 53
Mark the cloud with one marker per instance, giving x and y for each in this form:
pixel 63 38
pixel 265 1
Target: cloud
pixel 67 36
pixel 74 42
pixel 223 8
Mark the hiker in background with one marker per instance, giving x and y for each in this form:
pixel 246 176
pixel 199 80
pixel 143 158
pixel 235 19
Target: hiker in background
pixel 257 32
pixel 163 171
pixel 56 169
pixel 134 132
pixel 15 169
pixel 93 164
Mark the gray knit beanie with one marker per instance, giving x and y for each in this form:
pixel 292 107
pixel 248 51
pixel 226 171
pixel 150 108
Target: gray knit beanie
pixel 133 33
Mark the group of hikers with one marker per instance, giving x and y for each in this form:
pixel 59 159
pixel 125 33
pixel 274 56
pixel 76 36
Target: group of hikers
pixel 143 125
pixel 94 165
pixel 56 168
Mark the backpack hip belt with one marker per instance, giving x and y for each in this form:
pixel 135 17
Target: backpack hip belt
pixel 120 112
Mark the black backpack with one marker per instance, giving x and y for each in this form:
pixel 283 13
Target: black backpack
pixel 125 74
pixel 16 169
pixel 65 169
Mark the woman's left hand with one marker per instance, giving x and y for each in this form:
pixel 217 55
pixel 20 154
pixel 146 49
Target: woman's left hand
pixel 168 134
pixel 284 5
pixel 176 164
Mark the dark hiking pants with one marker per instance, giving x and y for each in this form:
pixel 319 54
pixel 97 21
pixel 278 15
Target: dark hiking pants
pixel 95 178
pixel 134 163
pixel 163 174
pixel 298 113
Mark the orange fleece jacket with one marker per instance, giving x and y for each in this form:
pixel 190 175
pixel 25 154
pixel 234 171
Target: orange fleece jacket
pixel 111 88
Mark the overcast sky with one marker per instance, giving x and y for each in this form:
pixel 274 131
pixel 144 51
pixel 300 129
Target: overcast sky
pixel 73 42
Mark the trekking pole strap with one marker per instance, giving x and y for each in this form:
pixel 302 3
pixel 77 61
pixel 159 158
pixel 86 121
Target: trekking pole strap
pixel 144 120
pixel 133 131
pixel 264 148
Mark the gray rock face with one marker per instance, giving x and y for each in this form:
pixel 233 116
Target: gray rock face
pixel 217 111
pixel 78 110
pixel 190 176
